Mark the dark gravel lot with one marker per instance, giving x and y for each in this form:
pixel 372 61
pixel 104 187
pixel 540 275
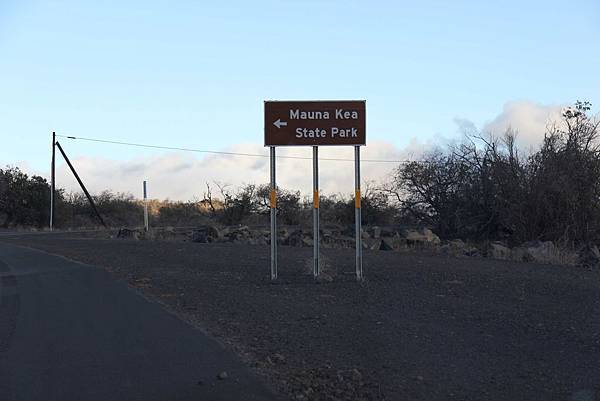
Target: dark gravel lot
pixel 421 327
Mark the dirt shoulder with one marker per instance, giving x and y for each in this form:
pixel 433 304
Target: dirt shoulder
pixel 420 327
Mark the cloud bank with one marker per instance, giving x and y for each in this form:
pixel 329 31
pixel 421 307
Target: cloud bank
pixel 183 176
pixel 529 119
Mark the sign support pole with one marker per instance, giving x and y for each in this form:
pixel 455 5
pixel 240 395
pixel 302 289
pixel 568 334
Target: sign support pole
pixel 315 123
pixel 357 213
pixel 316 267
pixel 52 179
pixel 273 203
pixel 146 227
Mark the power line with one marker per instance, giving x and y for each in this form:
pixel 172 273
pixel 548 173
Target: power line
pixel 142 145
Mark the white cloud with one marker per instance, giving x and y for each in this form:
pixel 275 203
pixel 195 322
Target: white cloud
pixel 529 119
pixel 183 176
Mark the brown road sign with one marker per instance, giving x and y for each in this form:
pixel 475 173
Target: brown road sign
pixel 297 123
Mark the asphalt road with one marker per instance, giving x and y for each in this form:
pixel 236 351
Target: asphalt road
pixel 70 332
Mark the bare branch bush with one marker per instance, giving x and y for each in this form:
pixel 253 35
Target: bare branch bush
pixel 484 189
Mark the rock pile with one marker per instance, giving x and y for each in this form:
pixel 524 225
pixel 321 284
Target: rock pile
pixel 374 238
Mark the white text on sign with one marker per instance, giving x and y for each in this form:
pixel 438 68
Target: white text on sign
pixel 322 133
pixel 339 114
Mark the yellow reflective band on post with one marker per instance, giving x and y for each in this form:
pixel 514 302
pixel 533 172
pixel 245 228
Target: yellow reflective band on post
pixel 316 199
pixel 357 198
pixel 273 199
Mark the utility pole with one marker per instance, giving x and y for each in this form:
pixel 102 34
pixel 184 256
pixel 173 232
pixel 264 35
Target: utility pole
pixel 52 179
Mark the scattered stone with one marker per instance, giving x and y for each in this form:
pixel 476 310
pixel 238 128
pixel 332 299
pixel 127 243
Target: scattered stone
pixel 457 244
pixel 541 251
pixel 376 232
pixel 223 376
pixel 471 252
pixel 456 247
pixel 325 278
pixel 500 251
pixel 199 236
pixel 295 238
pixel 307 241
pixel 204 234
pixel 589 256
pixel 421 237
pixel 520 254
pixel 238 234
pixel 356 375
pixel 126 233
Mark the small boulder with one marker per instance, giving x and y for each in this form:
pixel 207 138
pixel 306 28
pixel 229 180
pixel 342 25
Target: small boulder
pixel 204 234
pixel 307 240
pixel 541 251
pixel 126 233
pixel 238 234
pixel 324 277
pixel 589 256
pixel 376 232
pixel 421 237
pixel 199 236
pixel 282 236
pixel 455 247
pixel 295 238
pixel 520 254
pixel 500 251
pixel 278 358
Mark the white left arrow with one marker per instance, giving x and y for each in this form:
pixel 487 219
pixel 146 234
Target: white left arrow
pixel 280 123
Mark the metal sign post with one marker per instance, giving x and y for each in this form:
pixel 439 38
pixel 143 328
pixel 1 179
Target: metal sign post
pixel 316 268
pixel 273 204
pixel 145 207
pixel 315 123
pixel 357 213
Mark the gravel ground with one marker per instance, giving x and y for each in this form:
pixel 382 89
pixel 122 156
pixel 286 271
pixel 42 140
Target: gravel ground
pixel 421 327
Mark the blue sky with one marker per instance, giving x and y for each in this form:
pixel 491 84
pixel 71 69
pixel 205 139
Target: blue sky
pixel 195 74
